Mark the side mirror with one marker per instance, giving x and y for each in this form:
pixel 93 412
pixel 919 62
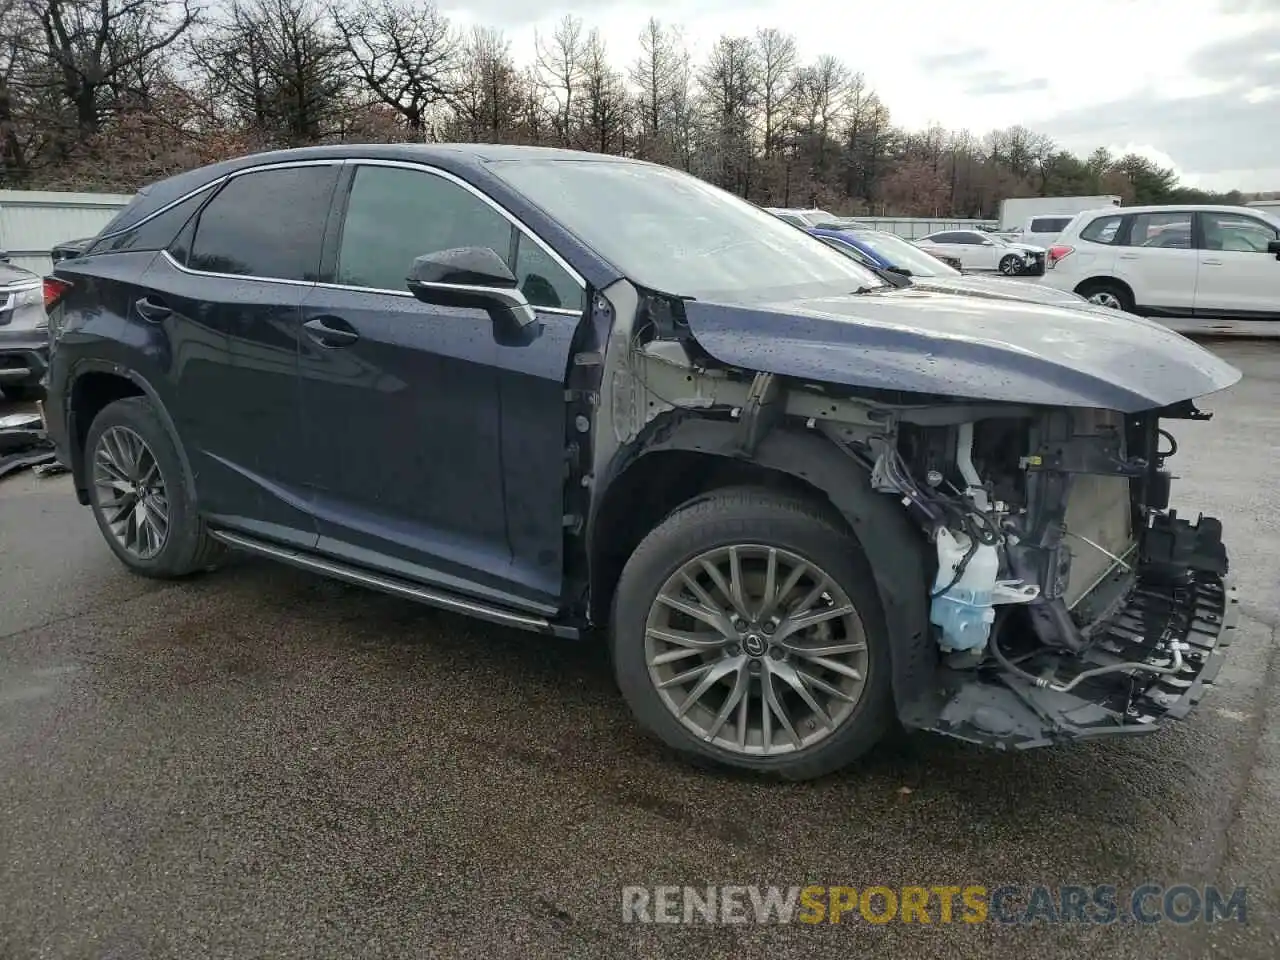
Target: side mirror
pixel 1273 246
pixel 471 277
pixel 902 271
pixel 4 256
pixel 988 243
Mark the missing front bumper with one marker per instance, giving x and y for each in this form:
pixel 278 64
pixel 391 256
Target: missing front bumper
pixel 1182 595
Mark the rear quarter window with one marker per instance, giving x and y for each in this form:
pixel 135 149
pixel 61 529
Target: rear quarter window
pixel 1049 224
pixel 1102 229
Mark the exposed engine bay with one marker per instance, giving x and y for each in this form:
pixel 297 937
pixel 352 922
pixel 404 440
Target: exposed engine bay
pixel 1068 601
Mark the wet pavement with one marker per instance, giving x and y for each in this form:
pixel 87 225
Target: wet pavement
pixel 263 763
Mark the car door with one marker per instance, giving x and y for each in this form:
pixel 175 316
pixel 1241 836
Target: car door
pixel 434 451
pixel 1237 276
pixel 1157 260
pixel 229 290
pixel 977 251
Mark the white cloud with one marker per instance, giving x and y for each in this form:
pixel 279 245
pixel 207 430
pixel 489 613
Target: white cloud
pixel 979 65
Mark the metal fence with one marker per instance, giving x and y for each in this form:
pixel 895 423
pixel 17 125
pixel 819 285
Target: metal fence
pixel 915 227
pixel 33 221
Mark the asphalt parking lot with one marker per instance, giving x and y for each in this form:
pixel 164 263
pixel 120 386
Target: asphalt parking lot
pixel 263 763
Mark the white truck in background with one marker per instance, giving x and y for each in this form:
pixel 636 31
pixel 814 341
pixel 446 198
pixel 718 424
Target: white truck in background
pixel 1039 220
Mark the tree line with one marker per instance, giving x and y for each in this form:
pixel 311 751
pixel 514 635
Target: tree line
pixel 111 94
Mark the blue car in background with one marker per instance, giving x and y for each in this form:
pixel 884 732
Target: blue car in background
pixel 891 254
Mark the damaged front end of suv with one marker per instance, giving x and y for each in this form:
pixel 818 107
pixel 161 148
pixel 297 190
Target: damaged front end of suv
pixel 1028 449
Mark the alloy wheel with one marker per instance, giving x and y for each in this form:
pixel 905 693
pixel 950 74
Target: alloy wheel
pixel 1009 266
pixel 1105 298
pixel 130 492
pixel 756 650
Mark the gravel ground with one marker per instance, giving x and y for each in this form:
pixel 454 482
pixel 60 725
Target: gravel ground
pixel 263 763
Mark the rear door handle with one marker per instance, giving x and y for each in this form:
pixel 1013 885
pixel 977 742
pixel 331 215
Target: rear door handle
pixel 1212 263
pixel 1128 256
pixel 331 331
pixel 153 310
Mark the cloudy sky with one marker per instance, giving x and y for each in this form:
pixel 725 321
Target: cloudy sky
pixel 1194 84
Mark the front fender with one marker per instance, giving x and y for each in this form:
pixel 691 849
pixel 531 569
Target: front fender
pixel 893 545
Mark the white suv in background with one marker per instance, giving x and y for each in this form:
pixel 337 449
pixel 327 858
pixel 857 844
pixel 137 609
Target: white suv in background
pixel 1171 261
pixel 1043 230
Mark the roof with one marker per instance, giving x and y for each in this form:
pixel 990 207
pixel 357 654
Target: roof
pixel 454 157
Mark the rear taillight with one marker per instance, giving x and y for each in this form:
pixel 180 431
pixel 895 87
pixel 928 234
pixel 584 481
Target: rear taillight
pixel 54 291
pixel 1057 252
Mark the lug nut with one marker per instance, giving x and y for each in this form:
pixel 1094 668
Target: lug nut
pixel 768 626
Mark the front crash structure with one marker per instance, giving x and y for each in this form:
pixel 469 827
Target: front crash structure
pixel 1106 613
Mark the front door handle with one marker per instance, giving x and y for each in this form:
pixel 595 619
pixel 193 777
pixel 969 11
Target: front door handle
pixel 331 331
pixel 153 310
pixel 1128 256
pixel 1212 263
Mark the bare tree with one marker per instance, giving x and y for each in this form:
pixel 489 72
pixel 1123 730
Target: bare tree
pixel 87 54
pixel 560 67
pixel 730 88
pixel 605 103
pixel 405 53
pixel 278 67
pixel 492 97
pixel 777 55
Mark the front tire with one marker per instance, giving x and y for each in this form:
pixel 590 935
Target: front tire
pixel 747 631
pixel 138 493
pixel 1011 265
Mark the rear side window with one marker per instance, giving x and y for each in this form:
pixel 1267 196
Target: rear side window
pixel 1102 230
pixel 268 224
pixel 1049 224
pixel 1171 229
pixel 156 233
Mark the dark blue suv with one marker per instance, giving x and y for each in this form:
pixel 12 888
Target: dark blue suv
pixel 589 396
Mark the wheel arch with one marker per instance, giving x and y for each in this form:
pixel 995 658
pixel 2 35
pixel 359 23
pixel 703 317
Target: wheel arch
pixel 697 456
pixel 1099 280
pixel 96 383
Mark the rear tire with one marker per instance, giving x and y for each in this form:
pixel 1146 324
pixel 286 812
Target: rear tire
pixel 827 707
pixel 1107 293
pixel 138 493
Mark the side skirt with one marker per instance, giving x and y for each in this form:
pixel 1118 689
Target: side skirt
pixel 400 588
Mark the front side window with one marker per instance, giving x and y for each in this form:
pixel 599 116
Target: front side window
pixel 395 215
pixel 676 234
pixel 1236 232
pixel 266 224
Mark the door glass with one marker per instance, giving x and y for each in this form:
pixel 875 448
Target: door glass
pixel 543 281
pixel 396 215
pixel 1171 229
pixel 1236 232
pixel 268 224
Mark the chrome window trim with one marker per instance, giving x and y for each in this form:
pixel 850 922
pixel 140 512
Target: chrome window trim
pixel 234 276
pixel 284 164
pixel 484 198
pixel 373 162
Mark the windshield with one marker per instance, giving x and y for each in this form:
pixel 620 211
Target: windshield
pixel 672 232
pixel 907 255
